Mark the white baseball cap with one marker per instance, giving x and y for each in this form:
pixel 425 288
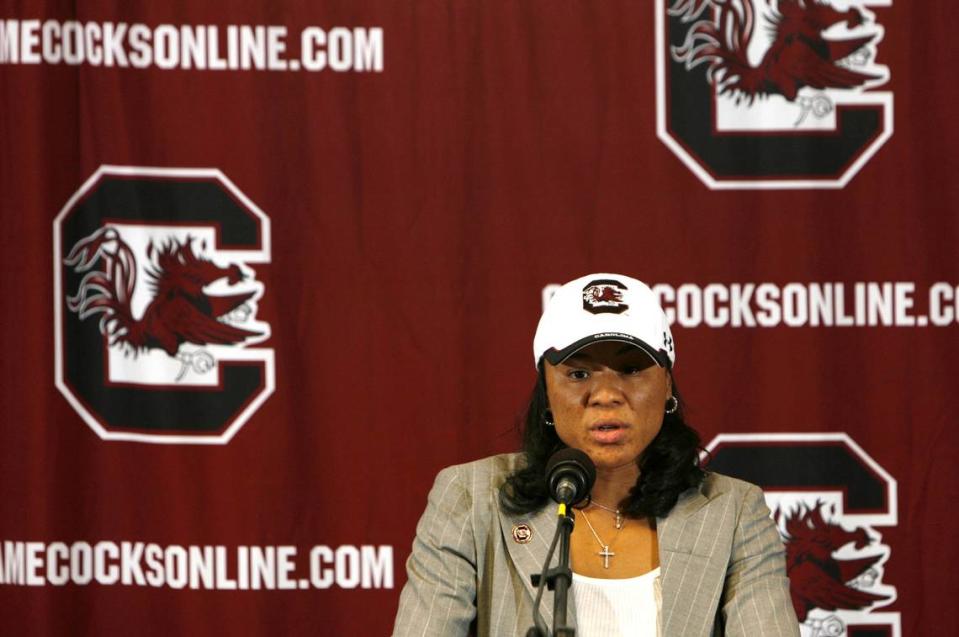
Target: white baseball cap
pixel 603 307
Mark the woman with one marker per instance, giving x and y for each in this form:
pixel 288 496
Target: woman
pixel 660 548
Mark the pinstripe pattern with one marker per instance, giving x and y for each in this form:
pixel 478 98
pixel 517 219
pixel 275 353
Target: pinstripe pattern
pixel 723 570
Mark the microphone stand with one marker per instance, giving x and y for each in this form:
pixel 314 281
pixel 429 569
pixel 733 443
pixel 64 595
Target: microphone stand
pixel 562 577
pixel 558 579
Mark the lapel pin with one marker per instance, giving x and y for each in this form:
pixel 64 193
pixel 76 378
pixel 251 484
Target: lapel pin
pixel 522 534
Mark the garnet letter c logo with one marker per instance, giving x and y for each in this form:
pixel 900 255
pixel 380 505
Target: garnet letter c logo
pixel 157 334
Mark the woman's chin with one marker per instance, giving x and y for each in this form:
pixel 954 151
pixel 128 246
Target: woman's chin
pixel 607 459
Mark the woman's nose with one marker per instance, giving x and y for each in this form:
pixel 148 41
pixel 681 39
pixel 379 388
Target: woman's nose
pixel 606 390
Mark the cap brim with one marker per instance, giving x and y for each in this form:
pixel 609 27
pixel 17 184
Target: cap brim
pixel 556 356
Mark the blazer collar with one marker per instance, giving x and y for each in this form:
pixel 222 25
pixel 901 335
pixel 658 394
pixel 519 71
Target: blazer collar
pixel 687 567
pixel 668 528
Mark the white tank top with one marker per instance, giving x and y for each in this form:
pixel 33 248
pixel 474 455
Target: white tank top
pixel 627 607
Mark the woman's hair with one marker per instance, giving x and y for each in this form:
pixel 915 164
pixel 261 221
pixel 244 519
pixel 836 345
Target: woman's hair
pixel 667 467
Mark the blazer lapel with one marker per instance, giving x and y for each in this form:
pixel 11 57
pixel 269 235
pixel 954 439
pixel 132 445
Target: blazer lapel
pixel 685 544
pixel 528 557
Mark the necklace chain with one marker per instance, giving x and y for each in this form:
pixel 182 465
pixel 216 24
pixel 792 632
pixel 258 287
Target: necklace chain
pixel 605 553
pixel 620 520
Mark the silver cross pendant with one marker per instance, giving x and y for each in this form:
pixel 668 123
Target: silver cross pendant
pixel 606 554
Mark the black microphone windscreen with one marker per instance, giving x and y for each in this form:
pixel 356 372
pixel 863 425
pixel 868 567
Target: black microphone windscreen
pixel 571 463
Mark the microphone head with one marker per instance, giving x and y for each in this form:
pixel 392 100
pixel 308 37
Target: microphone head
pixel 574 466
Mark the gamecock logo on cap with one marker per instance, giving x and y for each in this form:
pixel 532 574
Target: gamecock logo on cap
pixel 772 93
pixel 157 305
pixel 828 498
pixel 604 296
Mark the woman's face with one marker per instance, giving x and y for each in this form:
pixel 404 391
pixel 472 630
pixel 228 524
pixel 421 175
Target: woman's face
pixel 608 400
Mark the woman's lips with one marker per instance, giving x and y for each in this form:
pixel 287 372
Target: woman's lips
pixel 607 433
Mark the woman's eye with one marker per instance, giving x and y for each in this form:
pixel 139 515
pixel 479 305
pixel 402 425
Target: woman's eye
pixel 578 374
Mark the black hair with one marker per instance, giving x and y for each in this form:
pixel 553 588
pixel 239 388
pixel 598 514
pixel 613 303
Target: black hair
pixel 668 466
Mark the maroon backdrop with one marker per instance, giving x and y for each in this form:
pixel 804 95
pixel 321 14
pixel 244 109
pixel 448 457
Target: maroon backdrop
pixel 397 220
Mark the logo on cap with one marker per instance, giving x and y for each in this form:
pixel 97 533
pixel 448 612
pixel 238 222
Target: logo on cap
pixel 604 296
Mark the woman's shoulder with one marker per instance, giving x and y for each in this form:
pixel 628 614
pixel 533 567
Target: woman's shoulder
pixel 472 488
pixel 746 495
pixel 722 491
pixel 489 471
pixel 716 484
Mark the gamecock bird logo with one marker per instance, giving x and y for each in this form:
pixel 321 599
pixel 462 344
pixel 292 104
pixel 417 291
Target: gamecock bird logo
pixel 818 579
pixel 181 311
pixel 799 55
pixel 606 294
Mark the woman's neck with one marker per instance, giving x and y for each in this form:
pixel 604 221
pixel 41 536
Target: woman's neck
pixel 613 485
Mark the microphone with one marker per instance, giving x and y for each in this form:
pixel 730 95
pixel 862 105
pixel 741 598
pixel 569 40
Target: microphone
pixel 570 475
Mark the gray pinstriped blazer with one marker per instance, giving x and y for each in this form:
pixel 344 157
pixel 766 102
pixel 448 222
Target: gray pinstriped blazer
pixel 723 571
